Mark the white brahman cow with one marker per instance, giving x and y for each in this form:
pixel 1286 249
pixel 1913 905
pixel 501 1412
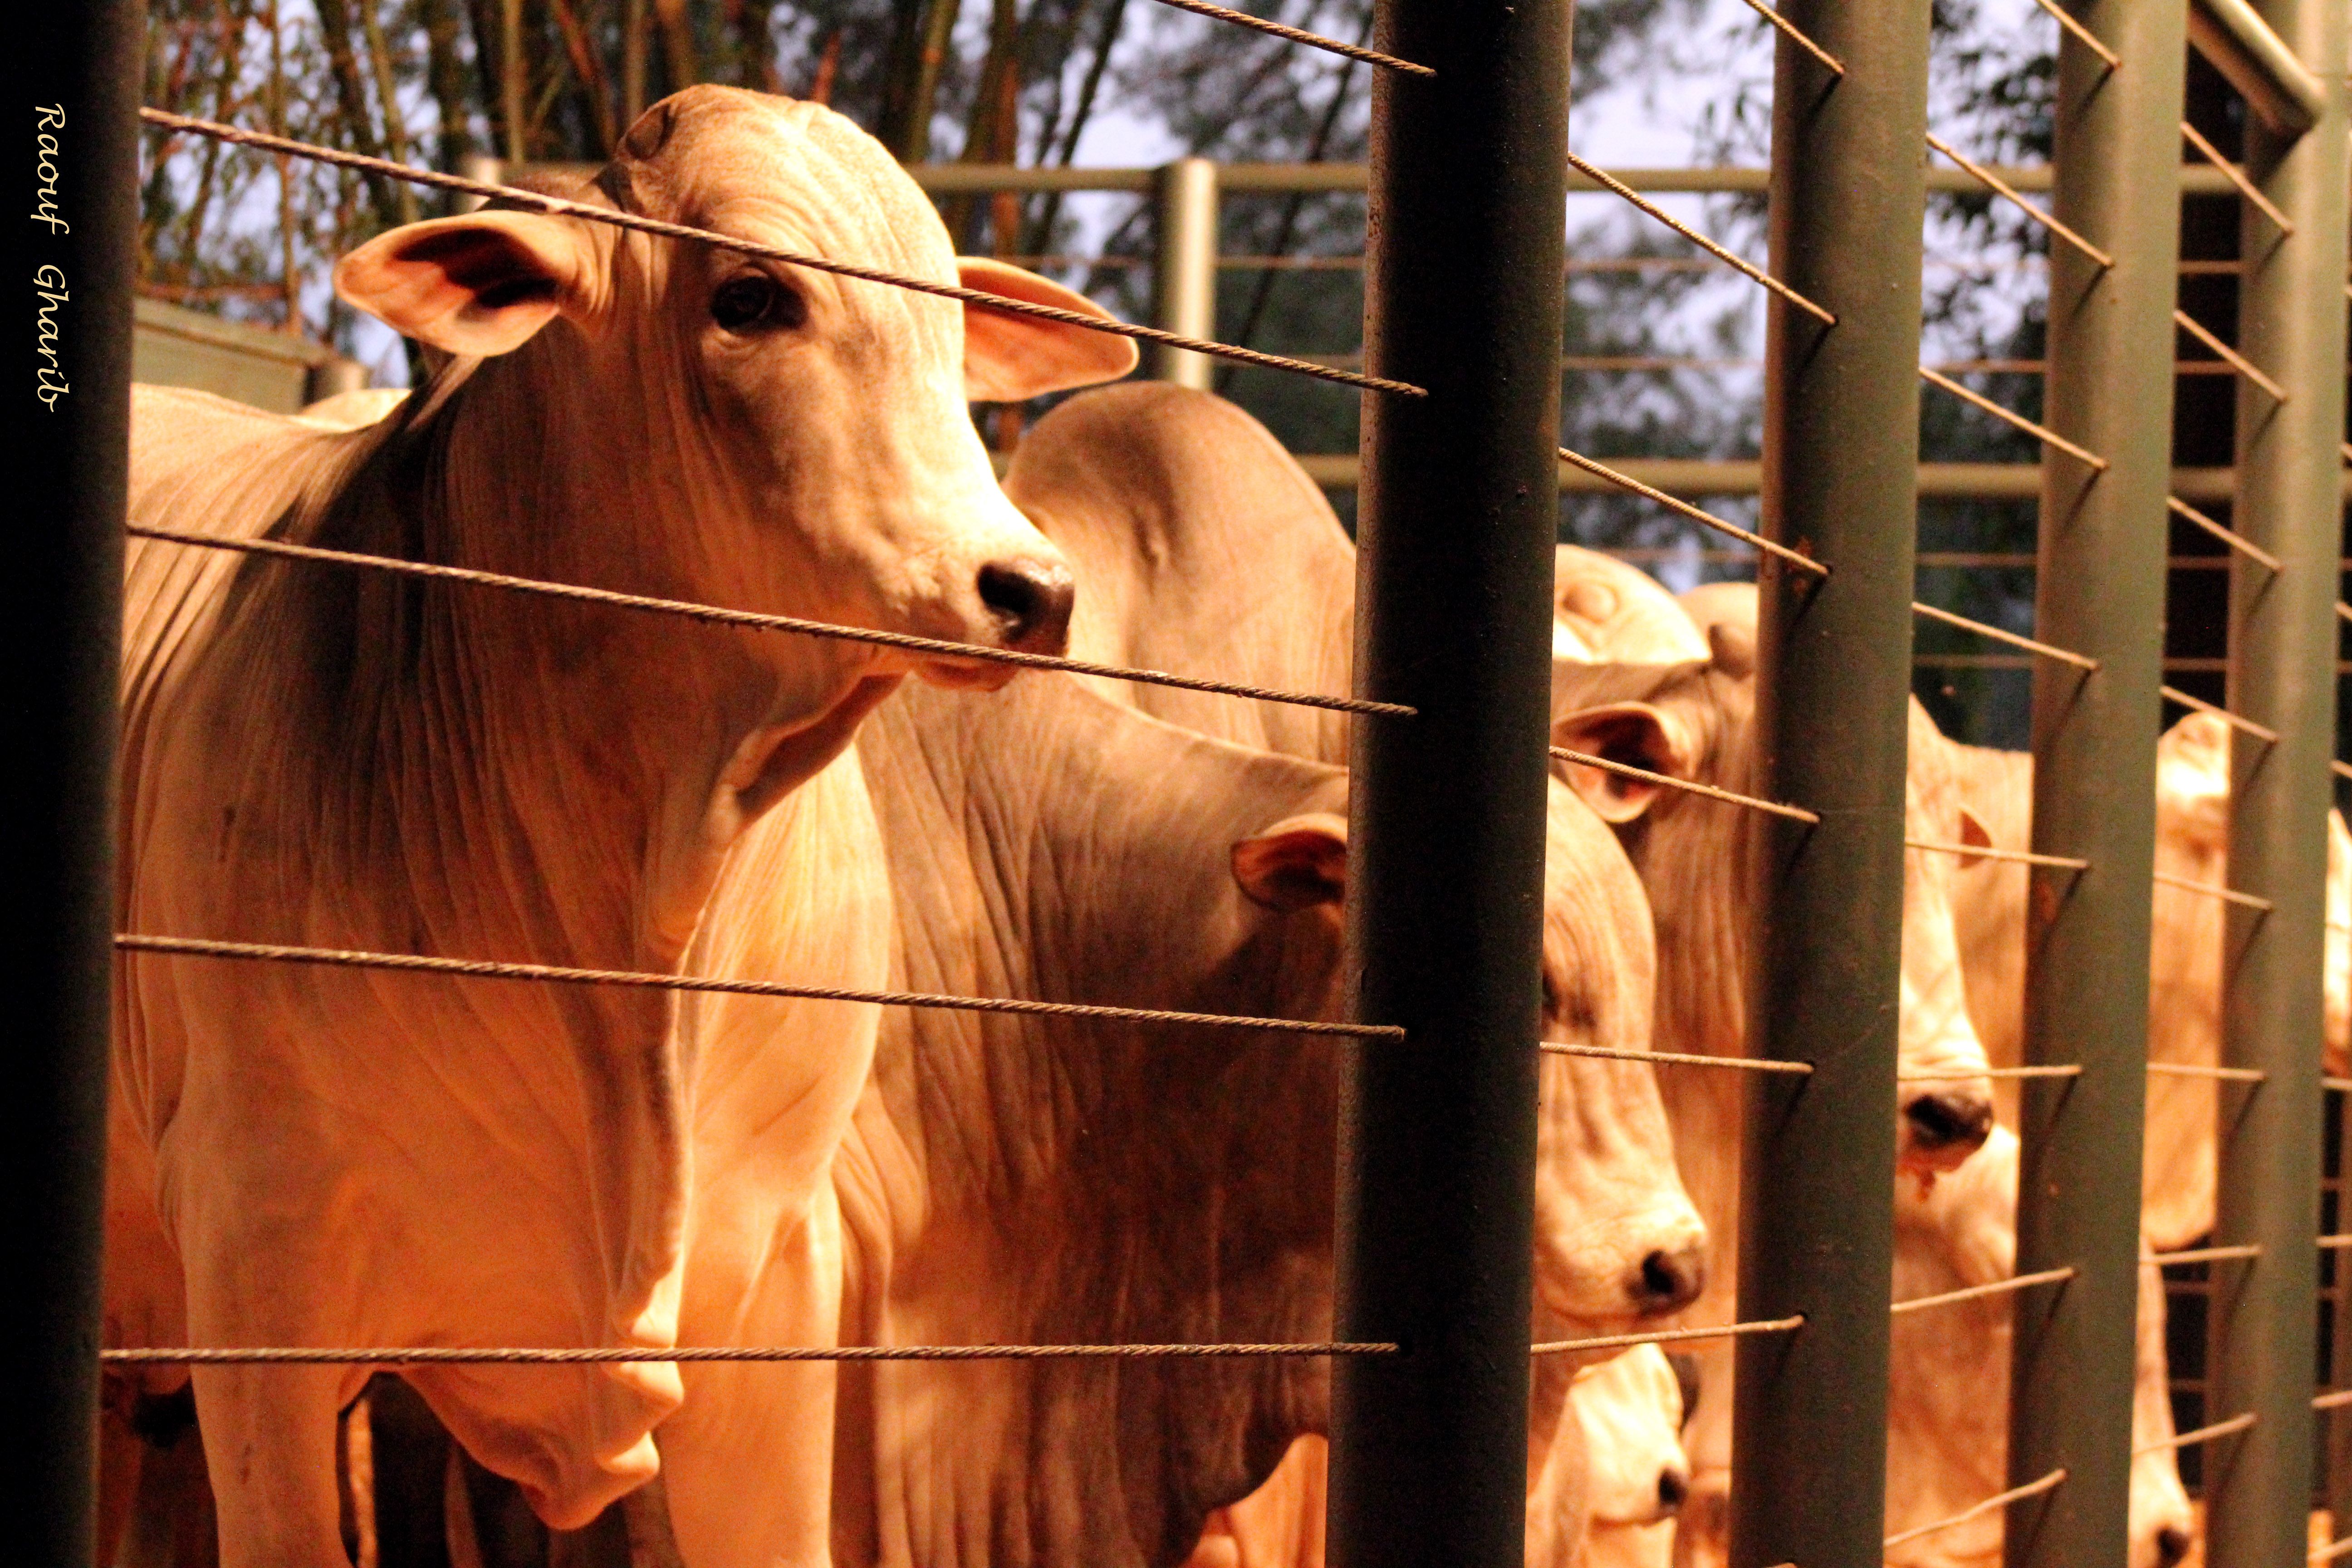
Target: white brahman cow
pixel 1032 1181
pixel 348 759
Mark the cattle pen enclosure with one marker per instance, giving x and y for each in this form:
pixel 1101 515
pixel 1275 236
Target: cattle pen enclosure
pixel 1458 484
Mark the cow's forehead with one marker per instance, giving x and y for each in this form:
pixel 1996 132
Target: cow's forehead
pixel 783 172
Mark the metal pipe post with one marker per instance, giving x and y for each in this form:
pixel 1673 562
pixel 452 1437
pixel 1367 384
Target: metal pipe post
pixel 1833 685
pixel 80 82
pixel 2282 643
pixel 2338 1422
pixel 2101 584
pixel 1459 514
pixel 1185 269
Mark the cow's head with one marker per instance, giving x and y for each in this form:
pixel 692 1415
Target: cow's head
pixel 1695 721
pixel 1617 1238
pixel 746 432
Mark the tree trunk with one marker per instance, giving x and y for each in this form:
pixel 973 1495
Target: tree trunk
pixel 395 134
pixel 589 70
pixel 351 96
pixel 490 59
pixel 1041 237
pixel 938 32
pixel 755 44
pixel 828 65
pixel 982 134
pixel 634 19
pixel 678 43
pixel 445 78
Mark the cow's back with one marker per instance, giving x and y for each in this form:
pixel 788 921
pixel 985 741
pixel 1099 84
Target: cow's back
pixel 1201 548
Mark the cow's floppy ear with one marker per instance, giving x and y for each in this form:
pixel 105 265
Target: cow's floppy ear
pixel 1975 835
pixel 1010 359
pixel 478 285
pixel 1298 862
pixel 1732 647
pixel 1634 733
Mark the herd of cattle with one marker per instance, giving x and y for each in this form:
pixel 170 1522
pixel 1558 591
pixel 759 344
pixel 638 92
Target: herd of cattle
pixel 333 758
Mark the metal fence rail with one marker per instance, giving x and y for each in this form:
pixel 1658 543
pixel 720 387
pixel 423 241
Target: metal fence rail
pixel 2282 647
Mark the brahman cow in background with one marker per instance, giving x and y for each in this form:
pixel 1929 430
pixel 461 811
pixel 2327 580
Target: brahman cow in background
pixel 1632 1409
pixel 1602 1492
pixel 1947 1414
pixel 1948 1439
pixel 347 759
pixel 1024 1180
pixel 1695 721
pixel 2179 1167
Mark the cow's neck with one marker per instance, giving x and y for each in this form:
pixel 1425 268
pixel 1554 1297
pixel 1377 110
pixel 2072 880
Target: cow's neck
pixel 589 750
pixel 1082 1182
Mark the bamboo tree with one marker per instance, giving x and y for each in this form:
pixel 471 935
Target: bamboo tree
pixel 1041 235
pixel 290 280
pixel 484 17
pixel 512 80
pixel 752 22
pixel 990 113
pixel 678 43
pixel 395 134
pixel 902 63
pixel 828 67
pixel 588 71
pixel 938 31
pixel 350 93
pixel 632 59
pixel 445 78
pixel 224 101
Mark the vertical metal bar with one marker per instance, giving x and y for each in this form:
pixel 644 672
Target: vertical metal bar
pixel 1459 514
pixel 1184 271
pixel 2291 321
pixel 2338 1422
pixel 2100 590
pixel 79 81
pixel 1841 446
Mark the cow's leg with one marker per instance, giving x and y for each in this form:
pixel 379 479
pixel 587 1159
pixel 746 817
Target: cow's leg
pixel 269 1443
pixel 771 1421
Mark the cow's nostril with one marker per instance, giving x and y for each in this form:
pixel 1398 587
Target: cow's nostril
pixel 1672 1487
pixel 1943 1121
pixel 1031 600
pixel 2171 1546
pixel 1670 1281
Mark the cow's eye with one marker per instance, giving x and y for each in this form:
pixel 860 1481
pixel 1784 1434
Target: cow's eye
pixel 755 302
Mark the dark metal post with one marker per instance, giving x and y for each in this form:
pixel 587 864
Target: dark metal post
pixel 2291 322
pixel 2338 1422
pixel 79 82
pixel 2100 591
pixel 1841 443
pixel 1459 513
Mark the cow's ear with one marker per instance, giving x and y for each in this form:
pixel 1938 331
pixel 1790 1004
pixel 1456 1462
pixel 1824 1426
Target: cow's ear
pixel 478 285
pixel 1733 648
pixel 1298 862
pixel 1634 734
pixel 1010 359
pixel 1975 835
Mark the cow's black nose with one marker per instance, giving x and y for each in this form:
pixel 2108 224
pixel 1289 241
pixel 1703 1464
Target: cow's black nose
pixel 1670 1281
pixel 2171 1546
pixel 1686 1378
pixel 1672 1487
pixel 1948 1120
pixel 1031 600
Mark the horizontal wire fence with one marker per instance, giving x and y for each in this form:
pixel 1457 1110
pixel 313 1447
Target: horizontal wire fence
pixel 497 970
